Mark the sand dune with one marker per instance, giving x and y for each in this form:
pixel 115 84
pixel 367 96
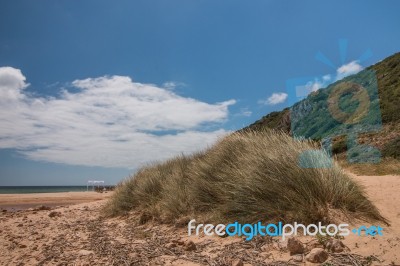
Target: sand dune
pixel 76 234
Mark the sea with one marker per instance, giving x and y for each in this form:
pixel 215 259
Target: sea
pixel 40 189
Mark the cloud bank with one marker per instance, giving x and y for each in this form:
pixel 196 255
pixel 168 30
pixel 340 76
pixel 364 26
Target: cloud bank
pixel 110 121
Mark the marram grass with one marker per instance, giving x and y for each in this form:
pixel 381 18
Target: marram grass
pixel 247 177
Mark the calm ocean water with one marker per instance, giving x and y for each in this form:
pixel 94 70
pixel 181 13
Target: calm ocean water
pixel 39 189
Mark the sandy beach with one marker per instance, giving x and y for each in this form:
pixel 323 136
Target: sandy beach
pixel 24 201
pixel 78 235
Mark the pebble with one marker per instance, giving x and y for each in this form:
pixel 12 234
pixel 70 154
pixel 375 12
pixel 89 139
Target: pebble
pixel 189 245
pixel 317 255
pixel 84 252
pixel 295 246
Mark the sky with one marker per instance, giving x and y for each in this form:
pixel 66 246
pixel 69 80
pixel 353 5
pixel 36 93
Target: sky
pixel 97 89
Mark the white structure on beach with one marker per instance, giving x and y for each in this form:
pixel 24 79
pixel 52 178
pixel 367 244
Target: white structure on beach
pixel 94 183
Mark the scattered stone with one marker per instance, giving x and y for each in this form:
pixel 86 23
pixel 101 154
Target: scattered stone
pixel 180 242
pixel 54 214
pixel 84 252
pixel 42 208
pixel 182 222
pixel 22 246
pixel 280 244
pixel 295 246
pixel 237 262
pixel 189 246
pixel 335 245
pixel 298 258
pixel 317 255
pixel 170 245
pixel 20 225
pixel 314 244
pixel 4 210
pixel 144 218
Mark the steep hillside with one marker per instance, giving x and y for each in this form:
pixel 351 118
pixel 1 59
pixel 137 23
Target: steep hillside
pixel 314 118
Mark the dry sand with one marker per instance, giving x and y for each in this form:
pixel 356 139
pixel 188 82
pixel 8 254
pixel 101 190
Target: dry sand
pixel 25 201
pixel 77 235
pixel 384 191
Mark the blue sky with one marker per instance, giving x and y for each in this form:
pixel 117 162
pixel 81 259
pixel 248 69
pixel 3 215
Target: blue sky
pixel 95 89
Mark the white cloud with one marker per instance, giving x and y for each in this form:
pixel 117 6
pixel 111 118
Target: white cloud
pixel 12 82
pixel 322 82
pixel 275 98
pixel 348 69
pixel 326 78
pixel 111 121
pixel 171 85
pixel 311 86
pixel 244 112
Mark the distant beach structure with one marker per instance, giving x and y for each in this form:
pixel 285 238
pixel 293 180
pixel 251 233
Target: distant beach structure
pixel 98 186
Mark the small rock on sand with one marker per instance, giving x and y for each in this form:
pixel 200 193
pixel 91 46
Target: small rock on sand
pixel 335 245
pixel 189 246
pixel 317 255
pixel 42 208
pixel 237 262
pixel 295 246
pixel 54 214
pixel 170 245
pixel 178 241
pixel 84 252
pixel 298 258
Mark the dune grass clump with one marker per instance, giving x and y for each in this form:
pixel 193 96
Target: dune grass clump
pixel 246 177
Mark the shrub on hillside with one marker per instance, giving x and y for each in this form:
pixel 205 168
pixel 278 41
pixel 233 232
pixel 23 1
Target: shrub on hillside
pixel 339 146
pixel 392 149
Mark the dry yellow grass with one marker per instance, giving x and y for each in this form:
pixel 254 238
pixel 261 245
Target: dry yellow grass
pixel 247 177
pixel 388 166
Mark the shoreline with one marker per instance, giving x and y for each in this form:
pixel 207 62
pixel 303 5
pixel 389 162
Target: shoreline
pixel 16 202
